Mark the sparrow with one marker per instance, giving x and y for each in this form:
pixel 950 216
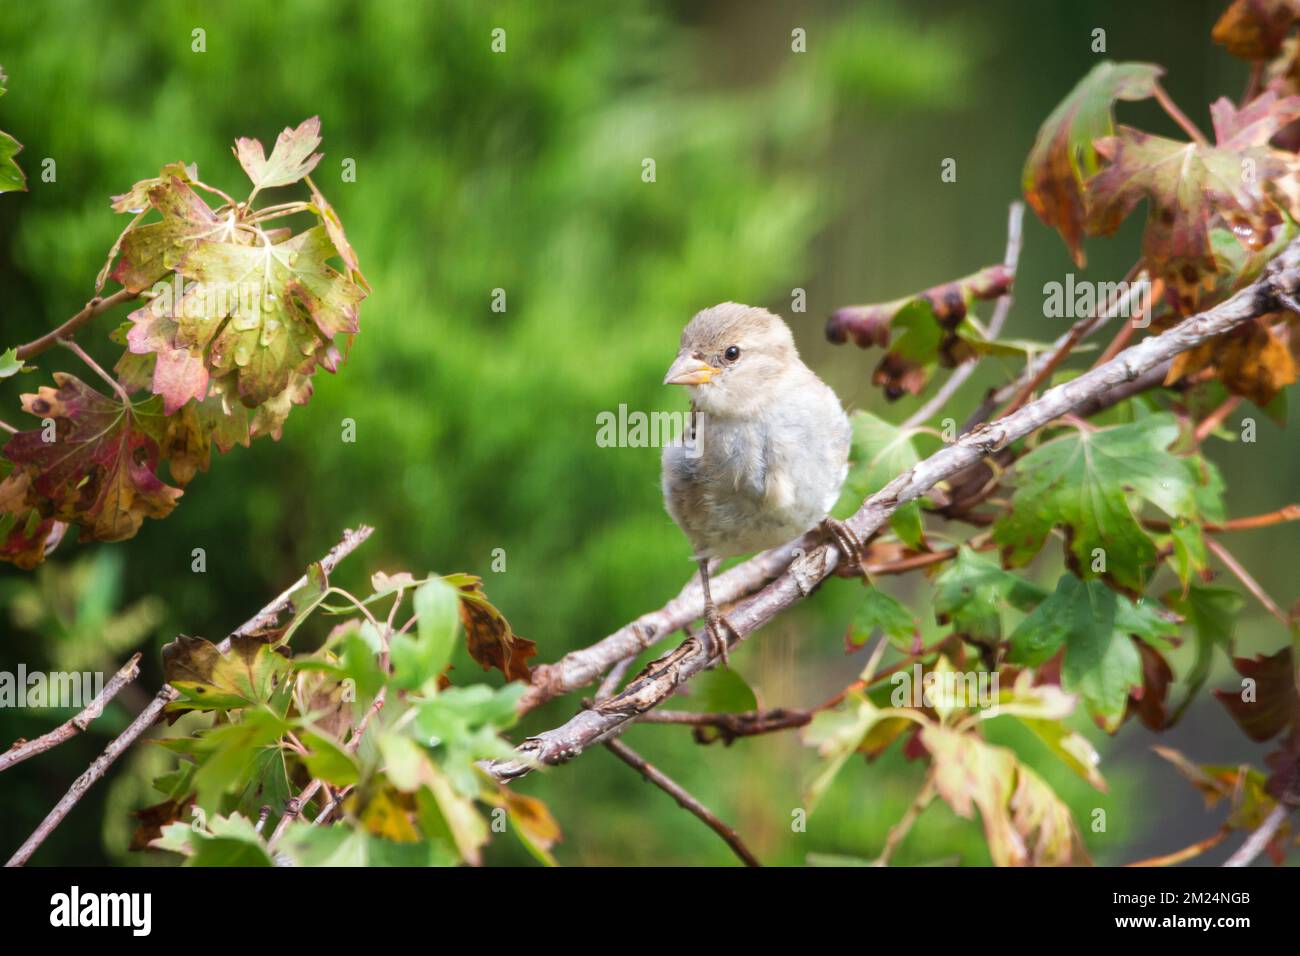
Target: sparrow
pixel 769 447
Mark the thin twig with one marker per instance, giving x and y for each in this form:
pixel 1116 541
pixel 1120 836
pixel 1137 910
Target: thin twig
pixel 684 800
pixel 94 366
pixel 294 807
pixel 95 307
pixel 1186 853
pixel 1015 221
pixel 1213 420
pixel 75 725
pixel 1178 116
pixel 899 831
pixel 1244 576
pixel 1258 840
pixel 264 618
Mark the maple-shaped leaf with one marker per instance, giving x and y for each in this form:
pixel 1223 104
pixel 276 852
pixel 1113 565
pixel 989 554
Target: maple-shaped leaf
pixel 1266 700
pixel 100 471
pixel 283 305
pixel 136 200
pixel 972 592
pixel 1025 823
pixel 1255 29
pixel 291 159
pixel 1063 155
pixel 249 673
pixel 1086 481
pixel 920 330
pixel 150 252
pixel 1190 188
pixel 11 177
pixel 1096 628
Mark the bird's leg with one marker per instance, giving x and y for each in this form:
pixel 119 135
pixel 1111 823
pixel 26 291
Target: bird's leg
pixel 847 542
pixel 713 621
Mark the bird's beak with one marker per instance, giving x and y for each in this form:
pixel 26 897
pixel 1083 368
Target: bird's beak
pixel 688 370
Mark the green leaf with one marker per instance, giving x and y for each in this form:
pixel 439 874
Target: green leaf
pixel 972 592
pixel 228 842
pixel 1211 613
pixel 10 363
pixel 11 177
pixel 426 655
pixel 884 613
pixel 328 761
pixel 1101 662
pixel 1084 481
pixel 720 690
pixel 230 755
pixel 881 452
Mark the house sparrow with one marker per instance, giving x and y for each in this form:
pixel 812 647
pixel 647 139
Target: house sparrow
pixel 770 446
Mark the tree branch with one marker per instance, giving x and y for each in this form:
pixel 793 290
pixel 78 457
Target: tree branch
pixel 75 725
pixel 95 307
pixel 661 678
pixel 1259 839
pixel 265 618
pixel 684 800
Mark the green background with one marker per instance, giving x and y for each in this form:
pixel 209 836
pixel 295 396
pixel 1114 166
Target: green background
pixel 476 430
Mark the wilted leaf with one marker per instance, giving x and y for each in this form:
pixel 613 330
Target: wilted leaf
pixel 209 680
pixel 1252 361
pixel 490 639
pixel 1265 701
pixel 1255 29
pixel 1063 155
pixel 100 472
pixel 925 329
pixel 291 159
pixel 1190 187
pixel 1025 823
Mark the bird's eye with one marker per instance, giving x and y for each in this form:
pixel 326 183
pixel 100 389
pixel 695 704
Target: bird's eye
pixel 732 353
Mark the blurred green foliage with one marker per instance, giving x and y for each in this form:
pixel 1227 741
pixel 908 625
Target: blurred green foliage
pixel 475 430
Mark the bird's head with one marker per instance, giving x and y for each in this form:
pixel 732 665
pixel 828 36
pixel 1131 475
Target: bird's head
pixel 730 357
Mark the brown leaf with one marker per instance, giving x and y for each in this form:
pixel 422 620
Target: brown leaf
pixel 1063 155
pixel 488 635
pixel 153 819
pixel 1255 29
pixel 1267 705
pixel 1252 361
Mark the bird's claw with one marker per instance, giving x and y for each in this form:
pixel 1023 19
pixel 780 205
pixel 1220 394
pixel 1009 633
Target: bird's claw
pixel 848 543
pixel 714 624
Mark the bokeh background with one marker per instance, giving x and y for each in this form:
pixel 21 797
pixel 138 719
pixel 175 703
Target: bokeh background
pixel 476 430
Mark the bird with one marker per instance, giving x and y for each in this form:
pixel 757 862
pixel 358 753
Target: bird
pixel 768 450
